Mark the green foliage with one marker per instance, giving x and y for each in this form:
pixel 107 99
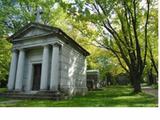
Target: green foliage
pixel 155 86
pixel 128 30
pixel 5 48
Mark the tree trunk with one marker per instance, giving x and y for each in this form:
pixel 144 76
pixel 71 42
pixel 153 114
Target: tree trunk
pixel 150 77
pixel 136 82
pixel 137 87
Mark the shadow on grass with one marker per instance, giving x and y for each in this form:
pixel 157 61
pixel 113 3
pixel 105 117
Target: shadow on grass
pixel 114 96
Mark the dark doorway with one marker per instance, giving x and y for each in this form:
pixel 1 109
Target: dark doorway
pixel 36 76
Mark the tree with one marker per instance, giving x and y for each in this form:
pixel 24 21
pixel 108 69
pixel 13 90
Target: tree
pixel 5 53
pixel 125 25
pixel 153 39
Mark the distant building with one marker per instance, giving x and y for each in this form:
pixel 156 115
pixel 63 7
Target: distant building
pixel 92 79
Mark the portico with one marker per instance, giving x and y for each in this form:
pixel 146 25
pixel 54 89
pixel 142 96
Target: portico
pixel 18 61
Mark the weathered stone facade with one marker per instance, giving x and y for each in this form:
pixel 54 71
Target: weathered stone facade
pixel 44 58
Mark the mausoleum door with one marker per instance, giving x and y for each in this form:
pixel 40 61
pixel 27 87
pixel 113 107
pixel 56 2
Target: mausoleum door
pixel 36 76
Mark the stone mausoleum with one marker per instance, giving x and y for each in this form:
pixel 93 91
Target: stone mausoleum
pixel 44 58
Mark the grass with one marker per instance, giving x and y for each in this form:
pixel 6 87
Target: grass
pixel 114 96
pixel 155 86
pixel 3 90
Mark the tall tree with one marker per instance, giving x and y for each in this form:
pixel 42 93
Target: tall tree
pixel 125 25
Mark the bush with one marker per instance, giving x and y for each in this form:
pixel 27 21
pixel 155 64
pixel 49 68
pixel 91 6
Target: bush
pixel 3 83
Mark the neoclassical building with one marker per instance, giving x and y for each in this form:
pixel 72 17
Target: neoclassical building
pixel 44 58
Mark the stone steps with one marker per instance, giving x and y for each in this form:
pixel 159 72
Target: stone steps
pixel 39 95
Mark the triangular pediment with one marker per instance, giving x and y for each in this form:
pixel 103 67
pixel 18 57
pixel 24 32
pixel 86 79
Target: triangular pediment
pixel 34 32
pixel 33 29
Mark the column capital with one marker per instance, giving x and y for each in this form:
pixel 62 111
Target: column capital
pixel 45 45
pixel 57 44
pixel 14 50
pixel 20 49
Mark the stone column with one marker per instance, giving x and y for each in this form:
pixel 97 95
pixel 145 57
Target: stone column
pixel 54 68
pixel 20 70
pixel 12 72
pixel 45 66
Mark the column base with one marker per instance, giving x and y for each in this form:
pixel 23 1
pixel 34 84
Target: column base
pixel 17 90
pixel 43 91
pixel 54 88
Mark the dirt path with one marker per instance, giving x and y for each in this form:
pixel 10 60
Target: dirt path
pixel 150 90
pixel 10 101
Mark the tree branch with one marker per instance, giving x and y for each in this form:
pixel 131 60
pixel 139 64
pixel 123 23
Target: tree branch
pixel 146 30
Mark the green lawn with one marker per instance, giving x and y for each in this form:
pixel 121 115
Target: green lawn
pixel 114 96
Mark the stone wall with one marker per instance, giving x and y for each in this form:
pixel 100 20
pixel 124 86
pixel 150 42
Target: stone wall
pixel 73 71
